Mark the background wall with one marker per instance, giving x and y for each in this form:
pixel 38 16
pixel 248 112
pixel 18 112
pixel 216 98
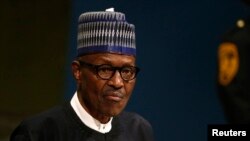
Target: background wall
pixel 176 45
pixel 33 46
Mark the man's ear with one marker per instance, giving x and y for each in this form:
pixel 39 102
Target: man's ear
pixel 75 66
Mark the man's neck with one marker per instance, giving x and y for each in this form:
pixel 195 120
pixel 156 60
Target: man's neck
pixel 101 124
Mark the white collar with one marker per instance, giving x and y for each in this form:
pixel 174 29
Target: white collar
pixel 87 119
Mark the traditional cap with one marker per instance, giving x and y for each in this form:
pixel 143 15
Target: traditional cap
pixel 106 31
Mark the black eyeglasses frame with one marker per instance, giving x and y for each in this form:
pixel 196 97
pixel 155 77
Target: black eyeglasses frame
pixel 96 68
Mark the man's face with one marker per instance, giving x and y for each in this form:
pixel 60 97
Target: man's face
pixel 104 97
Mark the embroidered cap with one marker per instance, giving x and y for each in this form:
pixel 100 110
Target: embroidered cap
pixel 106 31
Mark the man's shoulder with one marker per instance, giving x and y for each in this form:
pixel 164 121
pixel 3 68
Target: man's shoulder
pixel 133 119
pixel 135 126
pixel 52 117
pixel 52 113
pixel 51 123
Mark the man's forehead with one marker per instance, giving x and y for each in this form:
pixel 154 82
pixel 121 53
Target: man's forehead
pixel 108 57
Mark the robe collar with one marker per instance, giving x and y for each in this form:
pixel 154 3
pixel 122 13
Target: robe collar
pixel 87 119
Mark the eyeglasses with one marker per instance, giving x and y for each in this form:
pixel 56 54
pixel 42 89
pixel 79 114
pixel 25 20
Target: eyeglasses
pixel 106 71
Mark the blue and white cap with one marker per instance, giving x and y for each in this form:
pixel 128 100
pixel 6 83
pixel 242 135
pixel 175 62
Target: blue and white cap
pixel 107 31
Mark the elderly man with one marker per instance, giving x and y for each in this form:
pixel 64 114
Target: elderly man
pixel 105 72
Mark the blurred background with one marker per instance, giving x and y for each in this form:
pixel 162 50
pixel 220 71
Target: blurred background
pixel 177 44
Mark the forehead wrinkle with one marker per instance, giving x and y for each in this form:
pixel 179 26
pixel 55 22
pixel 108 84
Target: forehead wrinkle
pixel 109 59
pixel 95 58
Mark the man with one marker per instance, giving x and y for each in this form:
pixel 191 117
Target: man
pixel 105 72
pixel 233 72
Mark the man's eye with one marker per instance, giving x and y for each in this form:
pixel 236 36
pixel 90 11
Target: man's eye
pixel 127 71
pixel 105 69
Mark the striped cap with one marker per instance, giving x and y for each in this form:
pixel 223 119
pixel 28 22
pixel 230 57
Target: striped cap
pixel 106 31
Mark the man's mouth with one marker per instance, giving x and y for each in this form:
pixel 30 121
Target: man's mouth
pixel 114 96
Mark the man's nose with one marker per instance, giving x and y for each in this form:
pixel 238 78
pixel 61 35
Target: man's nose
pixel 116 81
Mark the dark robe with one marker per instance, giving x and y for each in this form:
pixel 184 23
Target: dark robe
pixel 62 124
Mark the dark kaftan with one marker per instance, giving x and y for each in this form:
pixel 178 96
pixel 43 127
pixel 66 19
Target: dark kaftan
pixel 63 124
